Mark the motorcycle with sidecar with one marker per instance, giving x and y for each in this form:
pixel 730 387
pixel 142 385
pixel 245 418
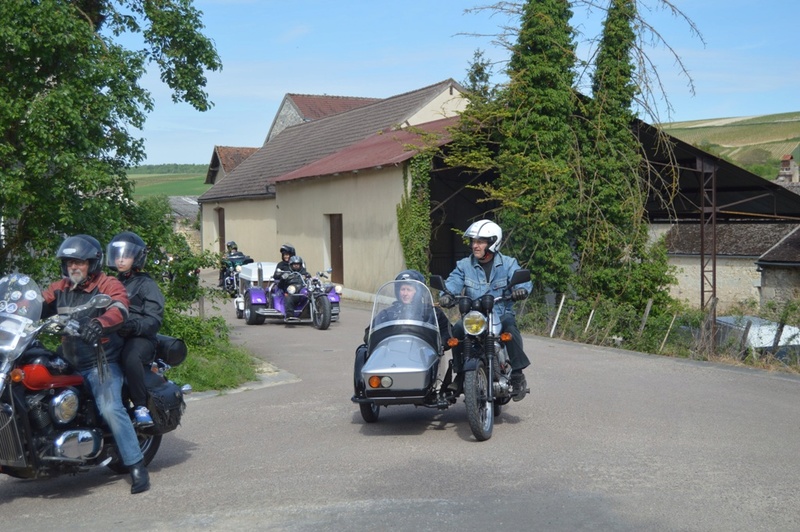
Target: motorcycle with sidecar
pixel 404 363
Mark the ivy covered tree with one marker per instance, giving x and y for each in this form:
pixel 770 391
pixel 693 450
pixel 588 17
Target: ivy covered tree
pixel 567 166
pixel 614 259
pixel 69 97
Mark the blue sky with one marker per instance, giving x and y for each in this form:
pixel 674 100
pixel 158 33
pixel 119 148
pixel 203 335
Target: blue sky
pixel 749 64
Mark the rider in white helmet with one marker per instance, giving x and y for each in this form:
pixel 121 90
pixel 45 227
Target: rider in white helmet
pixel 487 271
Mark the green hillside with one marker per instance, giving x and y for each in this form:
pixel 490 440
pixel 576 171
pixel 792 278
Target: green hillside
pixel 168 184
pixel 753 142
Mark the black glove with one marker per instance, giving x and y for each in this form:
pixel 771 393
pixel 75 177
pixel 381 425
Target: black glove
pixel 447 301
pixel 91 332
pixel 518 294
pixel 128 328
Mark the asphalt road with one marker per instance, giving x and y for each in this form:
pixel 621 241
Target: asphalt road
pixel 607 440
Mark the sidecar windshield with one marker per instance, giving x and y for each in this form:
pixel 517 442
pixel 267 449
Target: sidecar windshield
pixel 404 307
pixel 20 307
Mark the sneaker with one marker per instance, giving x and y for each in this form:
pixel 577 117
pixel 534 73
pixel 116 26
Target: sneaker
pixel 141 417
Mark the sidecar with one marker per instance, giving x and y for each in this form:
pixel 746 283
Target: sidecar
pixel 402 362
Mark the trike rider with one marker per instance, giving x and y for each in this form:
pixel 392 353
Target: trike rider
pixel 487 271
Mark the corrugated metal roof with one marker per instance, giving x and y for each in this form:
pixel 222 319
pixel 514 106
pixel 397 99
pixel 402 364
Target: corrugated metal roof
pixel 302 144
pixel 741 196
pixel 382 149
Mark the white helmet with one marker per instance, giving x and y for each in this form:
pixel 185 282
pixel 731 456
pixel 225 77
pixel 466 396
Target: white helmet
pixel 487 230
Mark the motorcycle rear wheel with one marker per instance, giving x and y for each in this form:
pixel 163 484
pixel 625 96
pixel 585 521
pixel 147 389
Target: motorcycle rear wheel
pixel 250 315
pixel 480 411
pixel 369 411
pixel 149 446
pixel 322 313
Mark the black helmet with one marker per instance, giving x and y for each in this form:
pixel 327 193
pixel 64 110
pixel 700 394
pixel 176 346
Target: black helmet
pixel 288 249
pixel 81 247
pixel 407 275
pixel 232 245
pixel 295 260
pixel 126 244
pixel 410 275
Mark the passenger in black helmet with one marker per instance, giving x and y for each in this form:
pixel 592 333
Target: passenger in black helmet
pixel 287 252
pixel 408 296
pixel 126 254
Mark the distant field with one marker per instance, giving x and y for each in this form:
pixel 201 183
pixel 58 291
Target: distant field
pixel 777 135
pixel 168 184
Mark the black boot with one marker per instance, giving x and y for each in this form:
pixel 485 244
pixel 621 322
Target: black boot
pixel 140 479
pixel 519 384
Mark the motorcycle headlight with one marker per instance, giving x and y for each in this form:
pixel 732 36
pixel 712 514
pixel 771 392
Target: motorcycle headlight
pixel 64 406
pixel 338 289
pixel 238 268
pixel 474 323
pixel 291 289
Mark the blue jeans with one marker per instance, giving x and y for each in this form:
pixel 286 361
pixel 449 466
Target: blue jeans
pixel 108 396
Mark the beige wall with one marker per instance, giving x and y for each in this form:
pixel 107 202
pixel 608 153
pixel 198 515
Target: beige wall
pixel 443 106
pixel 367 202
pixel 251 223
pixel 737 281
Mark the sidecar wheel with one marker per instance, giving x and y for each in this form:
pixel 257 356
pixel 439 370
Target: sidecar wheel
pixel 149 446
pixel 370 412
pixel 480 410
pixel 250 315
pixel 322 313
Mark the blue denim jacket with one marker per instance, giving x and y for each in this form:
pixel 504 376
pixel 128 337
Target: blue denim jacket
pixel 468 278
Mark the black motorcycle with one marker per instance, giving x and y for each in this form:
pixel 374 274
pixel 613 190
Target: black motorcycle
pixel 49 423
pixel 486 366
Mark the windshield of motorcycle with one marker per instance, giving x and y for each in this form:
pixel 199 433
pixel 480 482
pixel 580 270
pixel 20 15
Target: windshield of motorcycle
pixel 403 304
pixel 20 308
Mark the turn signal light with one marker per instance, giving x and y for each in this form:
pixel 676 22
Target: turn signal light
pixel 505 337
pixel 452 341
pixel 17 375
pixel 380 382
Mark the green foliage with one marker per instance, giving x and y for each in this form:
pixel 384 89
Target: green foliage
pixel 212 362
pixel 413 212
pixel 69 96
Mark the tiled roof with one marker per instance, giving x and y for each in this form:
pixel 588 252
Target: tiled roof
pixel 314 107
pixel 303 144
pixel 748 240
pixel 384 148
pixel 226 158
pixel 787 250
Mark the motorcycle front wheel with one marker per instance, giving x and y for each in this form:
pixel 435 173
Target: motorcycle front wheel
pixel 480 411
pixel 149 446
pixel 322 313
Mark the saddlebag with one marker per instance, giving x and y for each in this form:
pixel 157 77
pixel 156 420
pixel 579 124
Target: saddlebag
pixel 170 350
pixel 166 407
